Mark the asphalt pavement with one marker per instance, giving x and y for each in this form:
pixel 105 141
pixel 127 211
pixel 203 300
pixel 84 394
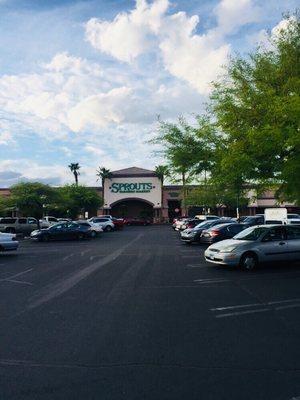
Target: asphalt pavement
pixel 137 315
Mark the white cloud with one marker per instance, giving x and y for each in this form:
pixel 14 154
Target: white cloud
pixel 232 14
pixel 99 110
pixel 129 34
pixel 197 59
pixel 6 135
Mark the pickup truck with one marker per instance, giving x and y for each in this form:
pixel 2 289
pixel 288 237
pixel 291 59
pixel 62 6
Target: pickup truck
pixel 24 225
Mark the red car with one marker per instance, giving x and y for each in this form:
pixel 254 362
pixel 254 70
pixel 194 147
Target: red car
pixel 118 222
pixel 137 221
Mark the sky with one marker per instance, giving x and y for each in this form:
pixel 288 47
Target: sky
pixel 85 81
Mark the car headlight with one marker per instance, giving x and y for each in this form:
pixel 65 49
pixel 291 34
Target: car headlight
pixel 228 249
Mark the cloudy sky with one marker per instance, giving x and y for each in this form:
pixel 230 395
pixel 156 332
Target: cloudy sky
pixel 84 81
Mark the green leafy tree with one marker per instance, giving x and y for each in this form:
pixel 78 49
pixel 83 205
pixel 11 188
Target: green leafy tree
pixel 178 143
pixel 74 168
pixel 32 198
pixel 257 109
pixel 76 199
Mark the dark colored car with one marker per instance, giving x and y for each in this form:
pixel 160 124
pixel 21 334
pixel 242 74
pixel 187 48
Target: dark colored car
pixel 221 232
pixel 62 231
pixel 193 235
pixel 137 221
pixel 254 220
pixel 118 223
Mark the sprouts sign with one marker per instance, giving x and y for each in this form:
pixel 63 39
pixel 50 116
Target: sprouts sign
pixel 147 188
pixel 132 187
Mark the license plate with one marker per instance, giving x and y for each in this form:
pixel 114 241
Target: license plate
pixel 206 234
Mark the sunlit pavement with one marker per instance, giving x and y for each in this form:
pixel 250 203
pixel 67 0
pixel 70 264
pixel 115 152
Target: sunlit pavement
pixel 139 315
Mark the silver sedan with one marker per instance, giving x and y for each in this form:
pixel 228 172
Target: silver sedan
pixel 257 244
pixel 8 242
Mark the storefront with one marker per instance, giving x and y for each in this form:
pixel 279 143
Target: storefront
pixel 133 192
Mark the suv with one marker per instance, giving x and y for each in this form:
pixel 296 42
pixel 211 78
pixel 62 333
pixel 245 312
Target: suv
pixel 18 225
pixel 105 222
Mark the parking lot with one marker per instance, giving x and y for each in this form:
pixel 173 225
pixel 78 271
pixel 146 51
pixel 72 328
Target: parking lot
pixel 136 314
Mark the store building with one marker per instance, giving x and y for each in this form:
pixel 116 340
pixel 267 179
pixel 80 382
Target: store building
pixel 138 192
pixel 133 192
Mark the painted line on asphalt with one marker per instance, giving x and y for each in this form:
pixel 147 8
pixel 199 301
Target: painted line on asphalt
pixel 235 307
pixel 15 281
pixel 196 266
pixel 53 291
pixel 256 308
pixel 208 281
pixel 242 313
pixel 289 306
pixel 12 280
pixel 18 274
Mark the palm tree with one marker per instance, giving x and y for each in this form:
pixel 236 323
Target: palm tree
pixel 161 172
pixel 74 168
pixel 103 174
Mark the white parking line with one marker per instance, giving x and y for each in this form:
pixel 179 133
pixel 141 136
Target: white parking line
pixel 208 281
pixel 12 280
pixel 242 313
pixel 256 308
pixel 234 307
pixel 196 266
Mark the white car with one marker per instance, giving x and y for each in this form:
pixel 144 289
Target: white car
pixel 96 229
pixel 105 222
pixel 48 221
pixel 8 242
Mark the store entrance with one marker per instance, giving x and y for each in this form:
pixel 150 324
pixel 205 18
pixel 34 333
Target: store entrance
pixel 132 209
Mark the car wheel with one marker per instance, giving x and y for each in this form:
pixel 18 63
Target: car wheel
pixel 10 230
pixel 93 234
pixel 108 228
pixel 249 261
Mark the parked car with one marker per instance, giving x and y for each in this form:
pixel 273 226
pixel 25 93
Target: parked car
pixel 293 216
pixel 118 223
pixel 47 221
pixel 105 222
pixel 180 223
pixel 206 217
pixel 137 221
pixel 257 244
pixel 95 228
pixel 62 231
pixel 293 221
pixel 18 225
pixel 254 220
pixel 194 235
pixel 221 232
pixel 8 242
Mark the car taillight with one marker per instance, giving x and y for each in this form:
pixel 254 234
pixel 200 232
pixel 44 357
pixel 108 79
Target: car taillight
pixel 215 232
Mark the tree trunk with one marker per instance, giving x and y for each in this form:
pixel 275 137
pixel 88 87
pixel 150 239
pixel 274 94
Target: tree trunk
pixel 183 194
pixel 76 178
pixel 102 183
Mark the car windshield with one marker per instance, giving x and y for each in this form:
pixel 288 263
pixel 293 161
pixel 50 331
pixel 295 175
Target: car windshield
pixel 252 233
pixel 249 219
pixel 203 225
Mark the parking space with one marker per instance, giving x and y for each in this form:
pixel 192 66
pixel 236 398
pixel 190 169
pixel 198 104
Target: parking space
pixel 143 301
